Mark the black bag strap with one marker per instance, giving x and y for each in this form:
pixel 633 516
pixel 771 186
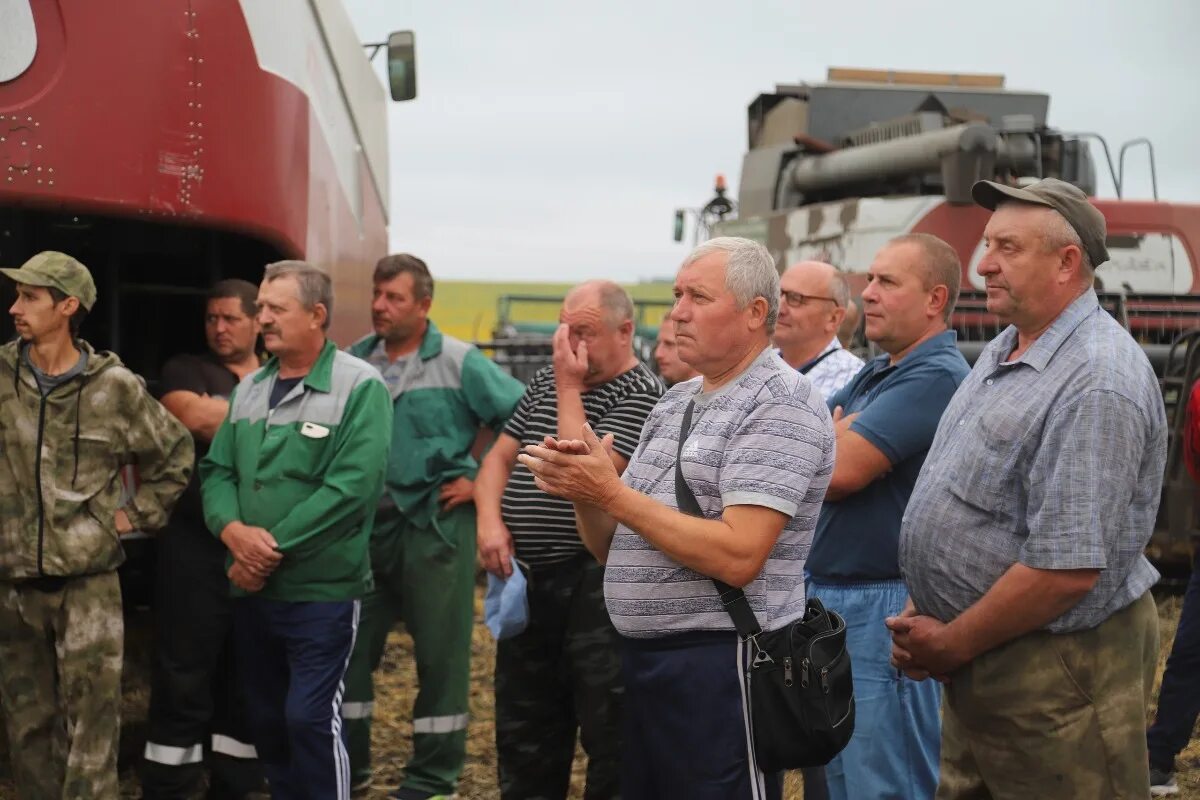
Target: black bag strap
pixel 808 367
pixel 733 599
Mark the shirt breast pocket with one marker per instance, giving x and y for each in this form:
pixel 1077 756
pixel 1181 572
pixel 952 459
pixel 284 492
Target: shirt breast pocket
pixel 989 475
pixel 307 451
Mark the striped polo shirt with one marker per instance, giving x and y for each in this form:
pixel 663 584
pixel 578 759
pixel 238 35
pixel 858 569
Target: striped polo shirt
pixel 765 439
pixel 543 526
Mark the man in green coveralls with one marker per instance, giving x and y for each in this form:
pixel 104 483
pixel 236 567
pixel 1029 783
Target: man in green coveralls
pixel 444 392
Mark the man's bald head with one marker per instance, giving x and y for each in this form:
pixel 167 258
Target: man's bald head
pixel 824 274
pixel 608 296
pixel 600 314
pixel 813 300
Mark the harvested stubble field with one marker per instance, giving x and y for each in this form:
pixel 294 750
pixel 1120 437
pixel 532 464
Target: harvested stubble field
pixel 397 685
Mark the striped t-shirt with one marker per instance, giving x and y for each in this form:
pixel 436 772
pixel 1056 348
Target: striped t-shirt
pixel 764 439
pixel 543 526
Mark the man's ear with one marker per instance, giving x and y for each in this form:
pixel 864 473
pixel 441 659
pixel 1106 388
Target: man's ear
pixel 759 308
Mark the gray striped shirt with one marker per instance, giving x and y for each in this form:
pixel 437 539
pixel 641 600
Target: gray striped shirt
pixel 763 439
pixel 1054 460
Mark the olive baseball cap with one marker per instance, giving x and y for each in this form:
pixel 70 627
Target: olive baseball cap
pixel 60 271
pixel 1066 199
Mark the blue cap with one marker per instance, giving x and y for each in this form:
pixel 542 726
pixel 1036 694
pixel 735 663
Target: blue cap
pixel 505 606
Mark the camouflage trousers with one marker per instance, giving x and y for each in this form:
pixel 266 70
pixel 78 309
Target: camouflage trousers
pixel 560 676
pixel 1054 715
pixel 60 680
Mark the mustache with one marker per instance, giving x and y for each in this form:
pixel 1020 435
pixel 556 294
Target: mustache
pixel 270 329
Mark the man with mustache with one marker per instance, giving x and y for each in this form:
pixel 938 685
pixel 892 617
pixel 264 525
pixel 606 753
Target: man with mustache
pixel 290 486
pixel 195 704
pixel 445 394
pixel 562 674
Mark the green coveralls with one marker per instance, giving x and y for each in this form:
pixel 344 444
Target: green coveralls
pixel 423 559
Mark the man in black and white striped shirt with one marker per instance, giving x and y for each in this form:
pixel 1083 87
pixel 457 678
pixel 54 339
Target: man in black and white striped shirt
pixel 563 671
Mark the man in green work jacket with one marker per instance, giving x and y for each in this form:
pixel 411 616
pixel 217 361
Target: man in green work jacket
pixel 290 485
pixel 444 393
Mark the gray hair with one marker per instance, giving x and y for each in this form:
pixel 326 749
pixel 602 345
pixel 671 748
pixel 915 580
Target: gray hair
pixel 750 272
pixel 616 303
pixel 313 284
pixel 839 288
pixel 1057 233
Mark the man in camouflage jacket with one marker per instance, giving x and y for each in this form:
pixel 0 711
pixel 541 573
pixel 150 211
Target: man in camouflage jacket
pixel 71 419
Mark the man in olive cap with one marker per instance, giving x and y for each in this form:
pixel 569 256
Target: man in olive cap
pixel 1022 542
pixel 71 419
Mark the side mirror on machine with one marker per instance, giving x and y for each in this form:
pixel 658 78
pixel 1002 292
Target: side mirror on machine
pixel 402 65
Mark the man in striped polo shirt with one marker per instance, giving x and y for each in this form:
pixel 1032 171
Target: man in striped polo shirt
pixel 563 672
pixel 757 455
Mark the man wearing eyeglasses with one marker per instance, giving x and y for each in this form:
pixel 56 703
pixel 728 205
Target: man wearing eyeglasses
pixel 885 419
pixel 814 297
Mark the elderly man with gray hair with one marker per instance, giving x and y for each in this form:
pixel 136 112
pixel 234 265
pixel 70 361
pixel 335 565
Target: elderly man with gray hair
pixel 753 442
pixel 290 485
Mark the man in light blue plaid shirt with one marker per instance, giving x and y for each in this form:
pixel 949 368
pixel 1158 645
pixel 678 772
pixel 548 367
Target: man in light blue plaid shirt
pixel 1022 542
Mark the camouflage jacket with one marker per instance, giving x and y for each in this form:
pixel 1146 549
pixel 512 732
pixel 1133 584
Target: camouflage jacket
pixel 61 458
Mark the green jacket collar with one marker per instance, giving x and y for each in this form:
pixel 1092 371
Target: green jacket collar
pixel 320 375
pixel 431 343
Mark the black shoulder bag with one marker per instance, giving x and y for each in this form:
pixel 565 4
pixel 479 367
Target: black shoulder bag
pixel 799 682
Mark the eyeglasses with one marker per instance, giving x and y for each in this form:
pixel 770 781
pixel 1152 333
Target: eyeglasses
pixel 797 299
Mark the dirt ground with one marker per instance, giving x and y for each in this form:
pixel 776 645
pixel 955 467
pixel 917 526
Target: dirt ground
pixel 396 687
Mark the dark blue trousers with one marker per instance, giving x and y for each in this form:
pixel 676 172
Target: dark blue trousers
pixel 686 721
pixel 293 657
pixel 1179 697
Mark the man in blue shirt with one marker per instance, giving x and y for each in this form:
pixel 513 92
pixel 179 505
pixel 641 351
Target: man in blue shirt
pixel 885 418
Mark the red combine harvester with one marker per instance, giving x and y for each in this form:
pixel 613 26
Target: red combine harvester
pixel 170 143
pixel 836 169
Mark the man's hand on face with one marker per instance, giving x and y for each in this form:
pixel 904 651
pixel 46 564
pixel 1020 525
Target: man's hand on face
pixel 252 547
pixel 578 470
pixel 570 366
pixel 244 579
pixel 456 492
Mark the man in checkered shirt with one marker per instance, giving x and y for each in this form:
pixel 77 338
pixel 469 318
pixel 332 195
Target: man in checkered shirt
pixel 1022 541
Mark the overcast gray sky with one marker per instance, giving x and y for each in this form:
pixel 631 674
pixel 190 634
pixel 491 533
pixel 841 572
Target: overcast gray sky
pixel 550 143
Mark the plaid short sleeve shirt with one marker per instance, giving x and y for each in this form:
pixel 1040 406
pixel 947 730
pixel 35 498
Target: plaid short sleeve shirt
pixel 1054 460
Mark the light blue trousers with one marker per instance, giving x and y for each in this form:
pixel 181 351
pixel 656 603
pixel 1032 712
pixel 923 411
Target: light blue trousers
pixel 897 728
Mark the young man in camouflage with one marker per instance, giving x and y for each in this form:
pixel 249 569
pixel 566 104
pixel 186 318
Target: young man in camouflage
pixel 70 419
pixel 423 543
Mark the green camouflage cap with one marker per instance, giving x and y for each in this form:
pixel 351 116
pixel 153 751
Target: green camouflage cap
pixel 1065 198
pixel 60 271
